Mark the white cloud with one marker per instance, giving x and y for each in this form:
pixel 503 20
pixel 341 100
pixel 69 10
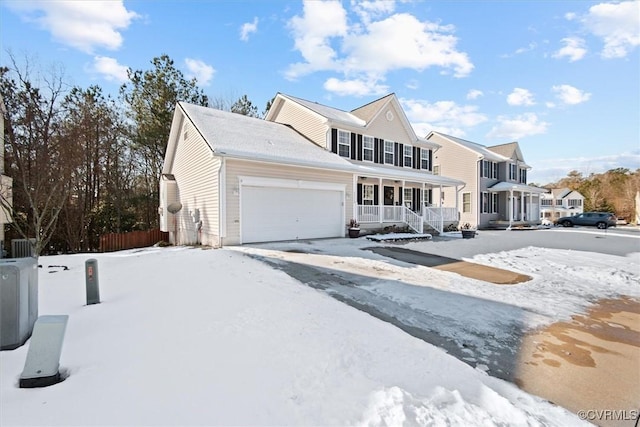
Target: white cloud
pixel 312 33
pixel 445 116
pixel 570 95
pixel 354 87
pixel 248 28
pixel 474 94
pixel 573 49
pixel 617 24
pixel 515 128
pixel 202 72
pixel 368 10
pixel 369 45
pixel 110 69
pixel 520 96
pixel 83 25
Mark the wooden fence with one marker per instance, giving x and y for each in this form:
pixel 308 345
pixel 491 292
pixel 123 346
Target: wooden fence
pixel 135 239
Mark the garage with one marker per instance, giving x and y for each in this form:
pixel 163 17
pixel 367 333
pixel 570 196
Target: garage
pixel 291 210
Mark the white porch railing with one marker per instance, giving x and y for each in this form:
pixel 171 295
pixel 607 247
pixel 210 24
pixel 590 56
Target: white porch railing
pixel 413 220
pixel 434 217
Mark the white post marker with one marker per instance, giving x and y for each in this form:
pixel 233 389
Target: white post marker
pixel 41 369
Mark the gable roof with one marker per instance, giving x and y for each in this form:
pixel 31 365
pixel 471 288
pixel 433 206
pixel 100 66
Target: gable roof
pixel 361 117
pixel 329 112
pixel 368 111
pixel 510 150
pixel 226 134
pixel 482 151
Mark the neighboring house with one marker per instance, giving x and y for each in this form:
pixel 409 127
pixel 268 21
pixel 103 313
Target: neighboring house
pixel 496 194
pixel 303 172
pixel 5 184
pixel 560 202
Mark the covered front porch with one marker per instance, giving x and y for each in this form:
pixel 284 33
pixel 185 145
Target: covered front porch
pixel 521 207
pixel 387 200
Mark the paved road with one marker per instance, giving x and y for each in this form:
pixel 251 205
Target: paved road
pixel 619 241
pixel 497 351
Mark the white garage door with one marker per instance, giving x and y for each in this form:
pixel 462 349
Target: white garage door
pixel 272 213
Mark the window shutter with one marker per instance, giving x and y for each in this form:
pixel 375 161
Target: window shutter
pixel 375 195
pixel 416 158
pixel 334 141
pixel 359 151
pixel 415 193
pixel 380 150
pixel 353 146
pixel 401 195
pixel 430 196
pixel 396 154
pixel 359 199
pixel 376 151
pixel 431 160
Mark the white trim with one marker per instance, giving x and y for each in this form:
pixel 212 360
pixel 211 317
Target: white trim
pixel 258 181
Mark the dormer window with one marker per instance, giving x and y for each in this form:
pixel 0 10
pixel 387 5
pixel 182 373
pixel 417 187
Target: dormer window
pixel 344 144
pixel 367 148
pixel 388 152
pixel 408 156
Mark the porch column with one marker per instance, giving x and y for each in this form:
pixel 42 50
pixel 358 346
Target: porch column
pixel 510 208
pixel 441 213
pixel 380 200
pixel 422 201
pixel 521 205
pixel 354 198
pixel 404 202
pixel 457 205
pixel 530 214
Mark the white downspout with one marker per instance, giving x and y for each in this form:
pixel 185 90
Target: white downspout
pixel 222 211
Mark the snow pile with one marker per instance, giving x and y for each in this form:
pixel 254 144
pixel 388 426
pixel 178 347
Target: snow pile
pixel 213 337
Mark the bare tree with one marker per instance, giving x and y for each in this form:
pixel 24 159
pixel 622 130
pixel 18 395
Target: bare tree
pixel 34 155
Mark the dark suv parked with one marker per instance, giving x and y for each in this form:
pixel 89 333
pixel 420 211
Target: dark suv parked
pixel 599 219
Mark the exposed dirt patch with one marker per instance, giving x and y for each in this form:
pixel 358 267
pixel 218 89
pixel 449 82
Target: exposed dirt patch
pixel 589 363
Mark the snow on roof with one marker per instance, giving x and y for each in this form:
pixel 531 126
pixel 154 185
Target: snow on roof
pixel 478 148
pixel 329 112
pixel 236 135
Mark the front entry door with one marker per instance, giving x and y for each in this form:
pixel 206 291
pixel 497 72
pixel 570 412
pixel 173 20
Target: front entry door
pixel 388 195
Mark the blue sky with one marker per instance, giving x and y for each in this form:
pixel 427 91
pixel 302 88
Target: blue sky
pixel 560 77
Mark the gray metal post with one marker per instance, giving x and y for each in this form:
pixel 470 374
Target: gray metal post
pixel 91 277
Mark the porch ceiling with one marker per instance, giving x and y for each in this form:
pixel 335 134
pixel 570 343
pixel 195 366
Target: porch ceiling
pixel 399 174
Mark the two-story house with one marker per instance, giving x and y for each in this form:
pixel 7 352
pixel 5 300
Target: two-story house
pixel 496 194
pixel 560 202
pixel 5 184
pixel 305 171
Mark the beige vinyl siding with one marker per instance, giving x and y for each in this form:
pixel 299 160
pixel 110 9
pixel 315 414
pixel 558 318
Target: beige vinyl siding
pixel 196 172
pixel 459 163
pixel 305 122
pixel 237 168
pixel 390 130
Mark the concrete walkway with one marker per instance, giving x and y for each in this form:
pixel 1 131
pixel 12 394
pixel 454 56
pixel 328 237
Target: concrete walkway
pixel 463 268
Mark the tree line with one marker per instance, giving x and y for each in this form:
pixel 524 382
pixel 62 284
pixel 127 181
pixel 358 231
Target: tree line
pixel 612 191
pixel 84 163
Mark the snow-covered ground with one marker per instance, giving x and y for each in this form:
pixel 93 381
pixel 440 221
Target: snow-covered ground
pixel 189 336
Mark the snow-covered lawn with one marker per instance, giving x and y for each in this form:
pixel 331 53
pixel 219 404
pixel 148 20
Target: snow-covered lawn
pixel 186 336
